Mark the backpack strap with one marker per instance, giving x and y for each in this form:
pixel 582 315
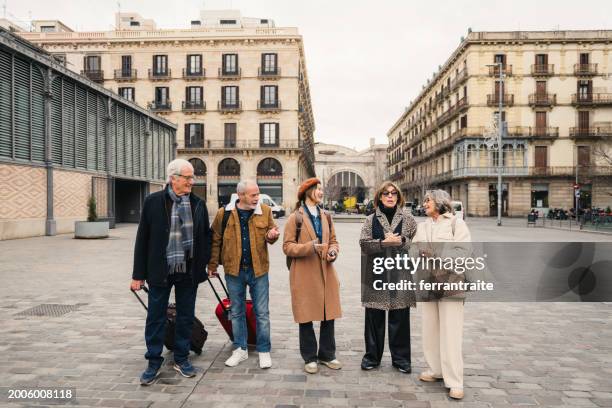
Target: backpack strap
pixel 298 224
pixel 226 215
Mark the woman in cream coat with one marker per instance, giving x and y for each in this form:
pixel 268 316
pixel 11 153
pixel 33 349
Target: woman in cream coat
pixel 442 319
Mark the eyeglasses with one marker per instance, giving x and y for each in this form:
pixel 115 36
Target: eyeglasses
pixel 188 178
pixel 389 193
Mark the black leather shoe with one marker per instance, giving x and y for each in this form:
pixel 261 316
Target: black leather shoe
pixel 368 365
pixel 403 368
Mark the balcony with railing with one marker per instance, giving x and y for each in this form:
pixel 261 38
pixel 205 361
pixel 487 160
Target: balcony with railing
pixel 542 100
pixel 160 106
pixel 194 75
pixel 585 69
pixel 594 132
pixel 96 75
pixel 396 176
pixel 494 70
pixel 193 106
pixel 592 99
pixel 269 107
pixel 160 75
pixel 506 99
pixel 225 107
pixel 125 75
pixel 229 75
pixel 264 74
pixel 220 145
pixel 541 70
pixel 459 79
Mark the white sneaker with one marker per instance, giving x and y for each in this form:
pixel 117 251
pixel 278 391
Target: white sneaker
pixel 237 357
pixel 265 361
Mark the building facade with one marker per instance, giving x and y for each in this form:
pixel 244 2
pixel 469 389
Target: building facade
pixel 556 95
pixel 236 87
pixel 64 139
pixel 346 172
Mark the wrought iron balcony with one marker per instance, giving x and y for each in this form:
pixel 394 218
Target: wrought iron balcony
pixel 585 69
pixel 493 100
pixel 96 75
pixel 269 107
pixel 224 107
pixel 542 99
pixel 193 106
pixel 459 79
pixel 125 74
pixel 592 99
pixel 251 144
pixel 542 69
pixel 594 132
pixel 494 70
pixel 194 75
pixel 157 75
pixel 229 75
pixel 268 74
pixel 160 106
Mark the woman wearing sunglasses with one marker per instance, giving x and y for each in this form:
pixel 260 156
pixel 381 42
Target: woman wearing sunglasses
pixel 386 233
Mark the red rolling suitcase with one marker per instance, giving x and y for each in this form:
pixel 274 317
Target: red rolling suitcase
pixel 222 311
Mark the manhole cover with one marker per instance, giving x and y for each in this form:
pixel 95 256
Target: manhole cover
pixel 50 310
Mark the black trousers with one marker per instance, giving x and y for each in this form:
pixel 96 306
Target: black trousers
pixel 399 335
pixel 308 342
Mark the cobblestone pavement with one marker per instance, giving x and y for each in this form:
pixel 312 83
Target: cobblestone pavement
pixel 548 354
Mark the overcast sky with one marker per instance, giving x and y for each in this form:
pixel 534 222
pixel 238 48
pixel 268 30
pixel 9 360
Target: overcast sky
pixel 366 60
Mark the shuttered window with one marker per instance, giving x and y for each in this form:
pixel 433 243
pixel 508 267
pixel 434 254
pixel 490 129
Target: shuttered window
pixel 22 109
pixel 37 135
pixel 129 142
pixel 6 133
pixel 101 138
pixel 56 122
pixel 69 121
pixel 120 140
pixel 81 127
pixel 92 131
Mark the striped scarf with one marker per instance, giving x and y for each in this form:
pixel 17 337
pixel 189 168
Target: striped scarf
pixel 181 233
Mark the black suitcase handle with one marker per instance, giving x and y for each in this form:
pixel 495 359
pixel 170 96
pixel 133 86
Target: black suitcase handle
pixel 143 287
pixel 215 290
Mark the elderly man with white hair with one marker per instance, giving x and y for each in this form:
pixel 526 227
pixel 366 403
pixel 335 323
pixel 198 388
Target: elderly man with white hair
pixel 172 249
pixel 241 234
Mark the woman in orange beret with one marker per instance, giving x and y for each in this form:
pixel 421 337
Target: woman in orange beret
pixel 310 244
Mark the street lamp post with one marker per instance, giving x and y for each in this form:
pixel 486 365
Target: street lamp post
pixel 500 152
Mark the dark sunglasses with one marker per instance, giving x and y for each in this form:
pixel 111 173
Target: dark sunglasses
pixel 389 193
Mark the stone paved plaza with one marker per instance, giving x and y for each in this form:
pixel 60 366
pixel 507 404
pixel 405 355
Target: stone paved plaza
pixel 547 354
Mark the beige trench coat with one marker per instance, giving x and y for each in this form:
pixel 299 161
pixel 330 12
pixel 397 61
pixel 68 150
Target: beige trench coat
pixel 314 284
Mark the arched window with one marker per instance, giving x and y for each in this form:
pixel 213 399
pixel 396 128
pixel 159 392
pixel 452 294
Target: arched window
pixel 199 168
pixel 229 167
pixel 269 167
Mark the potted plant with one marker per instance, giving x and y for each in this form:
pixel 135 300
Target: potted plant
pixel 92 228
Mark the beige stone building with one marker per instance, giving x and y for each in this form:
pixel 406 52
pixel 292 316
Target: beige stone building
pixel 556 92
pixel 347 172
pixel 64 139
pixel 236 87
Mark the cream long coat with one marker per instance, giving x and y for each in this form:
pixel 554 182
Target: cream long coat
pixel 315 288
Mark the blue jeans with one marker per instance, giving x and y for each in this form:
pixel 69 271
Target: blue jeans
pixel 260 294
pixel 155 329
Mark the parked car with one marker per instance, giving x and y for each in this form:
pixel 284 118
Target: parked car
pixel 277 210
pixel 458 207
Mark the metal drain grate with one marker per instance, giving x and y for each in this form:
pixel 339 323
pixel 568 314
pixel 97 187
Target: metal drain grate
pixel 49 310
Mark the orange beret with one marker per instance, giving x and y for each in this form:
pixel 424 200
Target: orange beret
pixel 313 181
